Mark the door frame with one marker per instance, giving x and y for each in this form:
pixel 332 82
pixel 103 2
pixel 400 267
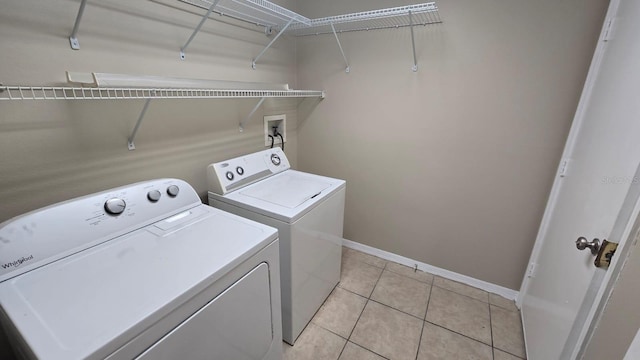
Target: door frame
pixel 579 337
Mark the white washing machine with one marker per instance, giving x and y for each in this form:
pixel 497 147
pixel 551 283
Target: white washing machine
pixel 144 271
pixel 307 210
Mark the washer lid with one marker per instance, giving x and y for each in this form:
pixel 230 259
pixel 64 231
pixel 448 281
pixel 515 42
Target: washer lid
pixel 286 196
pixel 289 190
pixel 89 304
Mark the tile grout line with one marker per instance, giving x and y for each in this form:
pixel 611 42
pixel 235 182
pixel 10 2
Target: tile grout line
pixel 317 311
pixel 471 297
pixel 343 347
pixel 514 355
pixel 377 281
pixel 397 273
pixel 424 321
pixel 428 302
pixel 504 351
pixel 354 293
pixel 493 349
pixel 420 340
pixel 433 281
pixel 369 350
pixel 458 333
pixel 361 312
pixel 392 308
pixel 432 284
pixel 504 308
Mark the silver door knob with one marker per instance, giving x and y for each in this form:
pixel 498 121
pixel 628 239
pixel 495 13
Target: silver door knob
pixel 582 243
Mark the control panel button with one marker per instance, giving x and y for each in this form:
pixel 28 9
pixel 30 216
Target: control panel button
pixel 229 175
pixel 153 195
pixel 173 190
pixel 115 206
pixel 275 159
pixel 240 170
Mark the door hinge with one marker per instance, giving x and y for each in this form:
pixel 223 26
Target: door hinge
pixel 607 34
pixel 531 271
pixel 564 167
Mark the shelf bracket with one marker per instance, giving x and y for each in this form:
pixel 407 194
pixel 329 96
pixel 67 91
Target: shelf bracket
pixel 197 29
pixel 73 38
pixel 131 145
pixel 253 63
pixel 253 111
pixel 413 44
pixel 341 51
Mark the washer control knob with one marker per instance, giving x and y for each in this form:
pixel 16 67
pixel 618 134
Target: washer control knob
pixel 153 195
pixel 229 175
pixel 115 206
pixel 240 170
pixel 275 159
pixel 173 190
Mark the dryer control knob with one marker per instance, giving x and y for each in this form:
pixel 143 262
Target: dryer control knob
pixel 173 190
pixel 240 170
pixel 154 195
pixel 115 206
pixel 229 175
pixel 275 159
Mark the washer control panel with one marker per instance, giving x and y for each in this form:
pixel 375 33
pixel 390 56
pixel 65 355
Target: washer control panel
pixel 47 234
pixel 232 174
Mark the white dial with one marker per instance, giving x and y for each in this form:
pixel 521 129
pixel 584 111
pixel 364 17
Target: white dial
pixel 154 195
pixel 275 159
pixel 173 190
pixel 115 206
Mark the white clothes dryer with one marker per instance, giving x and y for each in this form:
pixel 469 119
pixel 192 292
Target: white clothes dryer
pixel 307 210
pixel 144 271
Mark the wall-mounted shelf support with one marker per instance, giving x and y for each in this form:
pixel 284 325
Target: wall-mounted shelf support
pixel 253 111
pixel 197 29
pixel 413 44
pixel 253 63
pixel 333 28
pixel 131 145
pixel 148 94
pixel 73 38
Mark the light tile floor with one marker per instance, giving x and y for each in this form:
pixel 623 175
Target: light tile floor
pixel 383 310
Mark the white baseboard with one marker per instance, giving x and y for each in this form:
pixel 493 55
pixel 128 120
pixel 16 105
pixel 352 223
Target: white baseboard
pixel 492 288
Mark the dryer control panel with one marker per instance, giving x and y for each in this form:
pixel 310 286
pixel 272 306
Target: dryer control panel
pixel 233 174
pixel 45 235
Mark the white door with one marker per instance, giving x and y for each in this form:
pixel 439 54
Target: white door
pixel 603 151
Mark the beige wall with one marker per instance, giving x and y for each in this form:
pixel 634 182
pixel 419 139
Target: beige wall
pixel 478 130
pixel 54 150
pixel 451 165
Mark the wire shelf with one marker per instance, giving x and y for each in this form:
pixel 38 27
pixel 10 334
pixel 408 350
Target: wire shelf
pixel 418 14
pixel 268 14
pixel 259 12
pixel 80 93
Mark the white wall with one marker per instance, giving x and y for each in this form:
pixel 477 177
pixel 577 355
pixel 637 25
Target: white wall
pixel 451 165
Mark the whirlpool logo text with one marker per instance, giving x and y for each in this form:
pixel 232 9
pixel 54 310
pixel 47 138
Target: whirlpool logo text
pixel 17 262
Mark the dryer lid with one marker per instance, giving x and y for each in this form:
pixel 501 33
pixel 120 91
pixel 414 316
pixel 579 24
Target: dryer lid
pixel 289 190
